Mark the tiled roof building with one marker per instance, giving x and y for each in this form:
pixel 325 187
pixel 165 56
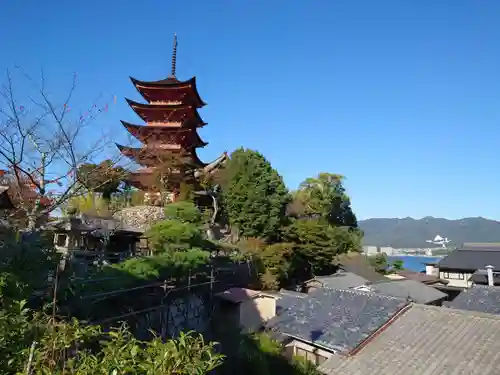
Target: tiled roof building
pixel 426 340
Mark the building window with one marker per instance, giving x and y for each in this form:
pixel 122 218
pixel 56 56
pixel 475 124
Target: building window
pixel 446 275
pixel 61 240
pixel 461 276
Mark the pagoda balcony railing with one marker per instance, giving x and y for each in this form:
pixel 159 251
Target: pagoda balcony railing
pixel 165 123
pixel 163 102
pixel 152 169
pixel 162 146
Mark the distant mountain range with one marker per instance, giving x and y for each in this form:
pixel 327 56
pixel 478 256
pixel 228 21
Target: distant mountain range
pixel 411 233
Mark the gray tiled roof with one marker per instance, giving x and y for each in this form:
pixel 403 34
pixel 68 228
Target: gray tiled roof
pixel 338 320
pixel 427 340
pixel 471 260
pixel 341 280
pixel 480 277
pixel 286 299
pixel 291 293
pixel 422 277
pixel 88 223
pixel 478 298
pixel 414 290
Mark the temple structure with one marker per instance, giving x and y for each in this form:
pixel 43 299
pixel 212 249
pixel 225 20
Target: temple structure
pixel 169 137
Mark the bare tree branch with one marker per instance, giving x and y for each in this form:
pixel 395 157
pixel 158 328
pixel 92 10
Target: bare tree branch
pixel 42 146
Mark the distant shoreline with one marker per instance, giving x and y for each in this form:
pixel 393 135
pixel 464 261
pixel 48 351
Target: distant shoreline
pixel 415 262
pixel 416 255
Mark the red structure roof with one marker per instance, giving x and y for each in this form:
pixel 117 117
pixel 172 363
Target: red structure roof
pixel 160 135
pixel 152 156
pixel 176 115
pixel 178 91
pixel 170 133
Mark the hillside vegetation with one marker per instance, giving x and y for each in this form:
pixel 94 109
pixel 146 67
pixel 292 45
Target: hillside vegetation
pixel 410 232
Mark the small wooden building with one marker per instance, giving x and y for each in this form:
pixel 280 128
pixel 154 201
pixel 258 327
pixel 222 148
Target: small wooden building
pixel 92 238
pixel 245 308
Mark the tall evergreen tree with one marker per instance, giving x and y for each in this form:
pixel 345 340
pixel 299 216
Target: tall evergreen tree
pixel 254 195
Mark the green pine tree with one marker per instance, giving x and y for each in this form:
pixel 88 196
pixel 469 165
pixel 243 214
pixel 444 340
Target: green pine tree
pixel 254 195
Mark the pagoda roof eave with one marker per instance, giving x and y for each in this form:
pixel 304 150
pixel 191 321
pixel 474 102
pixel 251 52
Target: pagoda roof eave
pixel 167 83
pixel 163 107
pixel 133 152
pixel 133 128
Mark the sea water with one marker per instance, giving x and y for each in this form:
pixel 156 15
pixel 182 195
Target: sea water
pixel 414 263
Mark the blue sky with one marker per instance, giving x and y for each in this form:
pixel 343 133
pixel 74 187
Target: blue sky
pixel 402 97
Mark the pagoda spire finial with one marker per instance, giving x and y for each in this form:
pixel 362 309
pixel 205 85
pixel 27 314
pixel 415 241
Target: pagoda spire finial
pixel 174 56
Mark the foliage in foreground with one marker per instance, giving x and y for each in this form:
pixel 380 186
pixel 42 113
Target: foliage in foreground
pixel 34 343
pixel 59 347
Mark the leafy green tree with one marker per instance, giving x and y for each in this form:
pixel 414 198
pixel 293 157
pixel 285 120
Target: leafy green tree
pixel 379 262
pixel 254 195
pixel 397 265
pixel 276 263
pixel 318 244
pixel 325 196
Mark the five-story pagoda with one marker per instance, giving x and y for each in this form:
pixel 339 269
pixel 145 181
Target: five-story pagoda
pixel 170 138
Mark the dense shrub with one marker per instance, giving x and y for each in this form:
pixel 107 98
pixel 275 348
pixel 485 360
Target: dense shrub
pixel 171 235
pixel 184 211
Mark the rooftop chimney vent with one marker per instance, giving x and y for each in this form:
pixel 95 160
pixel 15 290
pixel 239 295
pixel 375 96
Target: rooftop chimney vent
pixel 489 271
